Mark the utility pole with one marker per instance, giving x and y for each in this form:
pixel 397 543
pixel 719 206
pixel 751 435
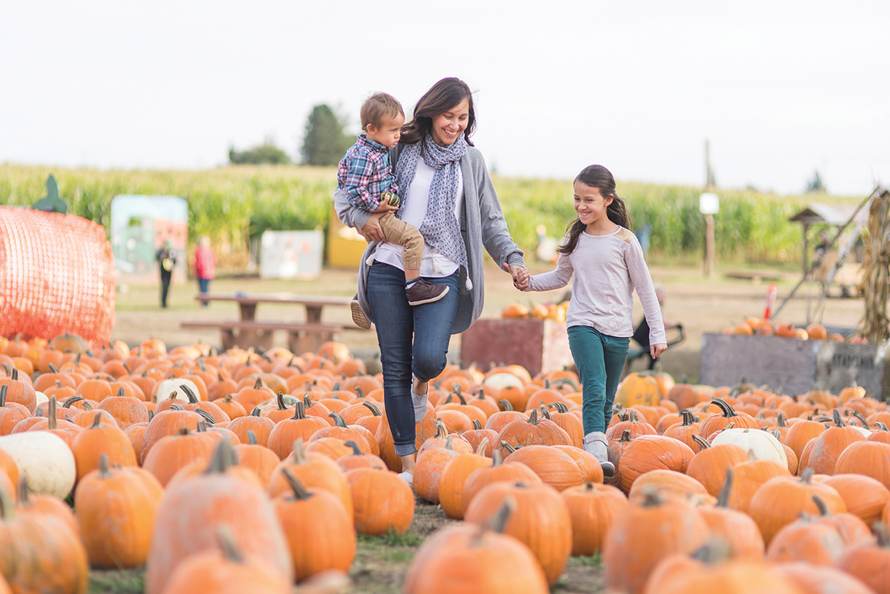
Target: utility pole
pixel 709 216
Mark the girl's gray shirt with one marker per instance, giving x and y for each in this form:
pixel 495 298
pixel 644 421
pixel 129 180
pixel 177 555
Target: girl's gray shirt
pixel 482 225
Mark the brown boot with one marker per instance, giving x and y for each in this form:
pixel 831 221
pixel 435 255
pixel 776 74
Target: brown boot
pixel 358 316
pixel 423 292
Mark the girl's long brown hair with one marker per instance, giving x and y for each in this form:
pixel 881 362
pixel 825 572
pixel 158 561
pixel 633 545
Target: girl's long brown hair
pixel 597 176
pixel 443 96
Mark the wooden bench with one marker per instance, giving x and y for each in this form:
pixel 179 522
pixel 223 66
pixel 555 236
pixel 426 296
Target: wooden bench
pixel 301 337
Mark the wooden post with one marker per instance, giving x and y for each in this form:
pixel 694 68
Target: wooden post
pixel 709 219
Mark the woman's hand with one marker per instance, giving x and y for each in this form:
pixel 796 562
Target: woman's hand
pixel 657 349
pixel 372 231
pixel 520 276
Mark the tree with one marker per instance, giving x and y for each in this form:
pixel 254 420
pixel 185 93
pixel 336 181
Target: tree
pixel 266 153
pixel 815 183
pixel 325 142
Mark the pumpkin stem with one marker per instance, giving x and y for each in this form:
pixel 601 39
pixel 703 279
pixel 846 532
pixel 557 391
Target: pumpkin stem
pixel 560 407
pixel 372 407
pixel 483 446
pixel 506 446
pixel 151 415
pixel 299 411
pixel 806 477
pixel 3 390
pixel 820 505
pixel 652 497
pixel 356 451
pixel 726 490
pixel 104 471
pixel 226 539
pixel 861 419
pixel 223 458
pixel 97 421
pixel 712 552
pixel 780 420
pixel 206 416
pixel 477 426
pixel 258 385
pixel 498 522
pixel 881 426
pixel 296 485
pixel 358 392
pixel 251 437
pixel 441 429
pixel 7 505
pixel 338 420
pixel 299 452
pixel 23 492
pixel 505 404
pixel 625 436
pixel 836 416
pixel 723 406
pixel 687 416
pixel 701 441
pixel 121 393
pixel 256 412
pixel 497 458
pixel 279 399
pixel 533 417
pixel 449 443
pixel 883 536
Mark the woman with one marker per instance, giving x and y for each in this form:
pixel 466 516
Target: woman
pixel 448 195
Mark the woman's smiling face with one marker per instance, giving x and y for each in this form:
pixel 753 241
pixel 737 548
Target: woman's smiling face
pixel 448 126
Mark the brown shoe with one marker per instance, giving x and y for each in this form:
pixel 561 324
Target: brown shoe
pixel 423 292
pixel 358 316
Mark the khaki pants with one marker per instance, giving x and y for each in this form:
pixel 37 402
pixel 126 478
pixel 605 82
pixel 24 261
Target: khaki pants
pixel 401 233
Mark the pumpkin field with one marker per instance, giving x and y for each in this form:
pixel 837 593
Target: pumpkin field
pixel 158 464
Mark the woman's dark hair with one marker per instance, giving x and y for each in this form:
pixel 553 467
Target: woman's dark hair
pixel 597 176
pixel 443 96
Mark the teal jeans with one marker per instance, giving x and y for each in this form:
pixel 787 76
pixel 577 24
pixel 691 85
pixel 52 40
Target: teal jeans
pixel 600 361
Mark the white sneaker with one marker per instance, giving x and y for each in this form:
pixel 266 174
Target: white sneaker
pixel 408 478
pixel 358 316
pixel 595 444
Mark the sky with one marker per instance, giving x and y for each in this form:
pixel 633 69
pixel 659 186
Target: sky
pixel 779 89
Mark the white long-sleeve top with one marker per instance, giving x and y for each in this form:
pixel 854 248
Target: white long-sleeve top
pixel 605 270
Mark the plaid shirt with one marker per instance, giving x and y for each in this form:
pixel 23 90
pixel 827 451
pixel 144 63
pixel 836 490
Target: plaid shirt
pixel 365 173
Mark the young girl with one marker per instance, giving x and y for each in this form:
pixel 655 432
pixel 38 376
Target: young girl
pixel 607 262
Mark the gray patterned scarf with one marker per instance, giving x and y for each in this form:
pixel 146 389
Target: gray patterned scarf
pixel 440 228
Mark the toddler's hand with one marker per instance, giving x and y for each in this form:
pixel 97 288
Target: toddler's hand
pixel 657 349
pixel 385 208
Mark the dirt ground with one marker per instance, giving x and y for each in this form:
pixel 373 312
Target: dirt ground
pixel 701 305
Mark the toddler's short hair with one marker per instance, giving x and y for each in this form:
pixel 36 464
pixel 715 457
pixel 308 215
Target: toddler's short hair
pixel 378 106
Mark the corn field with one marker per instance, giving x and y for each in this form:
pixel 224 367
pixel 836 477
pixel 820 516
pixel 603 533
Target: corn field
pixel 233 204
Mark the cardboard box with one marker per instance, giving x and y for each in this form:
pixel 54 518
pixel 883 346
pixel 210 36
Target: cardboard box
pixel 537 345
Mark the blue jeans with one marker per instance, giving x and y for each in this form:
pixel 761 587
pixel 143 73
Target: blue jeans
pixel 600 361
pixel 397 325
pixel 204 287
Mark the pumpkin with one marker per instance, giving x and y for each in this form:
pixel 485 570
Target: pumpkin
pixel 629 420
pixel 638 388
pixel 360 460
pixel 709 465
pixel 651 452
pixel 319 532
pixel 226 570
pixel 760 445
pixel 541 520
pixel 255 422
pixel 99 440
pixel 499 471
pixel 781 500
pixel 864 496
pixel 869 458
pixel 115 511
pixel 643 534
pixel 454 477
pixel 870 561
pixel 821 580
pixel 716 423
pixel 533 431
pixel 429 467
pixel 381 500
pixel 592 509
pixel 805 540
pixel 314 471
pixel 736 529
pixel 553 467
pixel 190 509
pixel 40 552
pixel 45 459
pixel 468 558
pixel 299 426
pixel 822 453
pixel 669 483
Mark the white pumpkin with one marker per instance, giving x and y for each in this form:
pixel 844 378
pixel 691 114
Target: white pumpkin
pixel 41 398
pixel 760 445
pixel 45 459
pixel 166 388
pixel 502 380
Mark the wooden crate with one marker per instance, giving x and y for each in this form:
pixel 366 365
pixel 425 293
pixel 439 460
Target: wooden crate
pixel 537 345
pixel 790 365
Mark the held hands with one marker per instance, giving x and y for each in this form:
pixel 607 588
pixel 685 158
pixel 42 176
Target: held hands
pixel 520 276
pixel 657 349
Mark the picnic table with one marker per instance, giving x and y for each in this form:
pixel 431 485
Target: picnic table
pixel 248 331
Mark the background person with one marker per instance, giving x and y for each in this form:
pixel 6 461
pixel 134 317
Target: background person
pixel 205 266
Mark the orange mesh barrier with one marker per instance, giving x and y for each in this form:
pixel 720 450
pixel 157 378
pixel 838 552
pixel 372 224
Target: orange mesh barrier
pixel 56 275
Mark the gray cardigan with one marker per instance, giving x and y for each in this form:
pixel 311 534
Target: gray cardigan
pixel 482 225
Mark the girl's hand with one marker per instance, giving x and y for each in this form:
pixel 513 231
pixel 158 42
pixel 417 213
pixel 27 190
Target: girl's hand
pixel 520 276
pixel 372 231
pixel 657 349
